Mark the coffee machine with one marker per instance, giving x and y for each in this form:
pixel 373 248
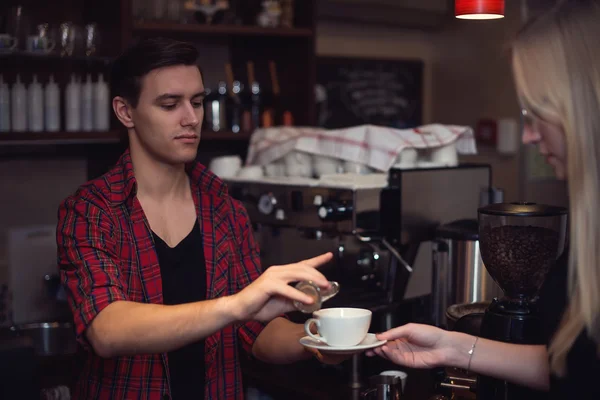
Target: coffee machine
pixel 376 225
pixel 373 224
pixel 519 244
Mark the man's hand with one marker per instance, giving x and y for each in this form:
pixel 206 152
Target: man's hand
pixel 271 295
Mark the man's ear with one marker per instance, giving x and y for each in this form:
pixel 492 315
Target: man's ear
pixel 122 110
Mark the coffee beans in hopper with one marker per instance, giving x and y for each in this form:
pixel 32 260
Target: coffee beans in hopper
pixel 519 257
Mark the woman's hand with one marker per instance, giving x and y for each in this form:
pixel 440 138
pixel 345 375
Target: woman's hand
pixel 416 346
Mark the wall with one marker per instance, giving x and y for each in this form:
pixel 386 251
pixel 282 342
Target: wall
pixel 31 192
pixel 340 39
pixel 467 77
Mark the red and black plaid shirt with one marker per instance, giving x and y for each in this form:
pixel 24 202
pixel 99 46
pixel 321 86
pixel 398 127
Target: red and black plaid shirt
pixel 106 253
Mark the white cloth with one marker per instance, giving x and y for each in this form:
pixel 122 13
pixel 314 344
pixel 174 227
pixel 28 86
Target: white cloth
pixel 375 146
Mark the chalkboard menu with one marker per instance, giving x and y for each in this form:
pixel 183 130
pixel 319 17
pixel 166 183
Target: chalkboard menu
pixel 358 91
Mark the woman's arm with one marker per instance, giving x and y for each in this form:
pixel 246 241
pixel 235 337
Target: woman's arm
pixel 425 346
pixel 521 364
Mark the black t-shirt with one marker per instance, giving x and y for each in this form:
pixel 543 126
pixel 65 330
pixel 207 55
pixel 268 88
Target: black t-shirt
pixel 583 364
pixel 183 273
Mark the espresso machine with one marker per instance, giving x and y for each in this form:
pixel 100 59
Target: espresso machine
pixel 519 244
pixel 374 226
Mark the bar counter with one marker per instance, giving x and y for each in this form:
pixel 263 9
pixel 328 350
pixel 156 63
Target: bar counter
pixel 312 380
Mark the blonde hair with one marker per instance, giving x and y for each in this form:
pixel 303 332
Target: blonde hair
pixel 556 63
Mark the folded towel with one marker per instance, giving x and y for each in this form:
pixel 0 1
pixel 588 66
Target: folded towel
pixel 375 146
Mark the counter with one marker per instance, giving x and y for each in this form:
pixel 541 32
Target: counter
pixel 312 380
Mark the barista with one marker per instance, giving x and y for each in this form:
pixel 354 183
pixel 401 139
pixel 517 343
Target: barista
pixel 556 64
pixel 159 263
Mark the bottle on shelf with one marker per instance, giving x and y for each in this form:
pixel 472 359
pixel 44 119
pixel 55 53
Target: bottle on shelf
pixel 236 109
pixel 233 102
pixel 101 105
pixel 52 106
pixel 255 98
pixel 73 105
pixel 4 106
pixel 19 106
pixel 35 106
pixel 87 105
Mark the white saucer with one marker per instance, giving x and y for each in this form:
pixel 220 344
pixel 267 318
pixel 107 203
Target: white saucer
pixel 369 342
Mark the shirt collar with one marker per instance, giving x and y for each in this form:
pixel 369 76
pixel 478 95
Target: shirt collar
pixel 123 185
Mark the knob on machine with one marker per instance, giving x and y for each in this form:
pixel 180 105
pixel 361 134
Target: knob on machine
pixel 267 203
pixel 332 211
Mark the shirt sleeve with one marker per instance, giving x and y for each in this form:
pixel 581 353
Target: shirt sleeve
pixel 248 270
pixel 87 261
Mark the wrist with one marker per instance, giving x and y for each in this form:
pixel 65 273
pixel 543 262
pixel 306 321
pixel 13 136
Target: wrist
pixel 459 346
pixel 230 307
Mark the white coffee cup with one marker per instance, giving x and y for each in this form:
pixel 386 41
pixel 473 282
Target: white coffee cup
pixel 298 164
pixel 351 167
pixel 251 172
pixel 324 165
pixel 340 327
pixel 400 374
pixel 275 169
pixel 445 155
pixel 226 166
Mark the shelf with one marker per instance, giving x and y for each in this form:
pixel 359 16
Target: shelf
pixel 57 138
pixel 222 30
pixel 215 136
pixel 64 138
pixel 55 57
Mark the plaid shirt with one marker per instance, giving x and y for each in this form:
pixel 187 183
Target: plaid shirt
pixel 106 253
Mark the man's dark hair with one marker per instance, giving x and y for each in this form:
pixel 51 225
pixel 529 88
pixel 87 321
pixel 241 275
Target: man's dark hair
pixel 144 56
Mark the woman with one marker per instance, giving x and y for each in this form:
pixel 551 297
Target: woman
pixel 556 65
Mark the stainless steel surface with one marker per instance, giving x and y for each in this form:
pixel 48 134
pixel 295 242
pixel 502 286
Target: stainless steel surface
pixel 473 283
pixel 431 197
pixel 389 247
pixel 384 387
pixel 49 338
pixel 355 371
pixel 441 283
pixel 361 269
pixel 376 232
pixel 299 206
pixel 459 276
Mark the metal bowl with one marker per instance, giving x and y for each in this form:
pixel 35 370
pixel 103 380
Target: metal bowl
pixel 49 338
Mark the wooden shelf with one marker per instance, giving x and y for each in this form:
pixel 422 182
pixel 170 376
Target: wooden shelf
pixel 57 138
pixel 65 138
pixel 24 55
pixel 221 30
pixel 215 136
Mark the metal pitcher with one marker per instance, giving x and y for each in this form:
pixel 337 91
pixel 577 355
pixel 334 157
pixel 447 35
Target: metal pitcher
pixel 384 387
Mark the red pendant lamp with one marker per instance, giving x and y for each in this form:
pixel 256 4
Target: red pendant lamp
pixel 479 9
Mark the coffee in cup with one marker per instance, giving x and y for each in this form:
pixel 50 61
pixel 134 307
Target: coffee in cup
pixel 340 327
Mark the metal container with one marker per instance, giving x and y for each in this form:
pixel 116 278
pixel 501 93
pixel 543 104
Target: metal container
pixel 384 387
pixel 49 338
pixel 458 273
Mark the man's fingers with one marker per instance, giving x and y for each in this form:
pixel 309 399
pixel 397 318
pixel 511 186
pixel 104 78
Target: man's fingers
pixel 317 261
pixel 295 273
pixel 292 294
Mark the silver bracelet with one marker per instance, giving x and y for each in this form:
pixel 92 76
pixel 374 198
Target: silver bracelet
pixel 471 353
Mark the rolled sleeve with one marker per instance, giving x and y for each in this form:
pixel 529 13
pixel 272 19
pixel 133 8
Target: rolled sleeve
pixel 87 261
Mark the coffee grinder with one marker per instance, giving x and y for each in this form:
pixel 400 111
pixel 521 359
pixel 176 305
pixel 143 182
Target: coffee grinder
pixel 519 244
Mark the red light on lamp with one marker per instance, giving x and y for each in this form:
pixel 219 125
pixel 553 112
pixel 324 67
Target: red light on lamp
pixel 479 9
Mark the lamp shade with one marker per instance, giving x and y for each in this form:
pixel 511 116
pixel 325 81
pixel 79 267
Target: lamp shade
pixel 479 9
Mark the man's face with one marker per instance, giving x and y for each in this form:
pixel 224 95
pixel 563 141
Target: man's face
pixel 169 114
